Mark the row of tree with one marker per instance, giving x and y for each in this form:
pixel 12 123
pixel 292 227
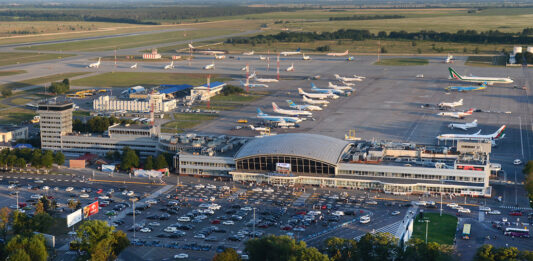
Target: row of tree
pixel 491 253
pixel 19 158
pixel 97 124
pixel 463 36
pixel 365 17
pixel 96 240
pixel 528 183
pixel 129 159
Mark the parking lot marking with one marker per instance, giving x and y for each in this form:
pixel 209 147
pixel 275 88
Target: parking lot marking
pixel 127 182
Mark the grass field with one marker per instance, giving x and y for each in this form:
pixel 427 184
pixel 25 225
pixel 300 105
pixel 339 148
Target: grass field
pixel 16 58
pixel 45 27
pixel 14 72
pixel 20 100
pixel 184 121
pixel 128 79
pixel 40 80
pixel 230 102
pixel 485 61
pixel 402 62
pixel 129 41
pixel 440 229
pixel 81 113
pixel 16 115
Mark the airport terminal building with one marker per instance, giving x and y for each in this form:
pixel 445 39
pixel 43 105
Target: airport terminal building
pixel 310 159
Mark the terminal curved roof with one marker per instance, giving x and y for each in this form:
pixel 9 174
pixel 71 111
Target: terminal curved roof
pixel 317 147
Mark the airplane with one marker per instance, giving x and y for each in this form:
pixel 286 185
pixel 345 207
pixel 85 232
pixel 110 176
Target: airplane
pixel 253 85
pixel 251 75
pixel 475 137
pixel 320 96
pixel 339 87
pixel 284 124
pixel 348 79
pixel 96 64
pixel 338 54
pixel 169 66
pixel 456 114
pixel 303 107
pixel 351 84
pixel 291 68
pixel 306 57
pixel 220 57
pixel 209 67
pixel 248 53
pixel 252 127
pixel 463 126
pixel 483 86
pixel 449 59
pixel 290 112
pixel 315 102
pixel 191 47
pixel 332 91
pixel 360 77
pixel 264 116
pixel 451 104
pixel 262 58
pixel 350 58
pixel 488 80
pixel 133 66
pixel 291 53
pixel 264 79
pixel 243 68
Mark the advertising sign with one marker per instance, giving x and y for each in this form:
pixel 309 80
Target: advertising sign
pixel 283 167
pixel 90 210
pixel 74 218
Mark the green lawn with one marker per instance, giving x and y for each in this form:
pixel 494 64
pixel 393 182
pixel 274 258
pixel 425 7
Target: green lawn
pixel 184 121
pixel 16 115
pixel 40 80
pixel 81 113
pixel 20 100
pixel 127 79
pixel 230 102
pixel 16 58
pixel 14 72
pixel 486 61
pixel 402 62
pixel 440 229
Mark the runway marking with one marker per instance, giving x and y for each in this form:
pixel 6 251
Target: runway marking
pixel 521 139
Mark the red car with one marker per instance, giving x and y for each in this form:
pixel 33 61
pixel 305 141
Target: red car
pixel 515 213
pixel 286 228
pixel 324 207
pixel 99 191
pixel 301 213
pixel 216 221
pixel 22 204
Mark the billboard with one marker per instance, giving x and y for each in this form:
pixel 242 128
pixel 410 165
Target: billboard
pixel 74 218
pixel 108 168
pixel 283 167
pixel 90 210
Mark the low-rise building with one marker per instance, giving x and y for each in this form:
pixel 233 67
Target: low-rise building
pixel 111 103
pixel 11 133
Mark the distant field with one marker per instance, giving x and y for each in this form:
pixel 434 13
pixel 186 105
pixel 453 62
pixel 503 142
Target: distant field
pixel 40 80
pixel 485 61
pixel 16 58
pixel 25 28
pixel 184 121
pixel 14 72
pixel 230 102
pixel 16 115
pixel 440 229
pixel 128 79
pixel 402 62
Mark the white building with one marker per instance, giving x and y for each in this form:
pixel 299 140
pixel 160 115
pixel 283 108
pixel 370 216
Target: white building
pixel 12 133
pixel 111 103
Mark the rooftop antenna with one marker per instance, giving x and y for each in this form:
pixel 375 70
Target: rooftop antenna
pixel 278 67
pixel 247 78
pixel 209 91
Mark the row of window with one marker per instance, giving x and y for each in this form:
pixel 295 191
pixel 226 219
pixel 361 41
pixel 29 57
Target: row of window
pixel 297 164
pixel 207 164
pixel 410 176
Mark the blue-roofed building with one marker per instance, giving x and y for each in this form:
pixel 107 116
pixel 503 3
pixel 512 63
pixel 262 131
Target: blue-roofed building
pixel 173 88
pixel 205 92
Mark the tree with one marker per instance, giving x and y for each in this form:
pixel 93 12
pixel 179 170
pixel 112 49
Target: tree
pixel 281 248
pixel 7 92
pixel 129 159
pixel 59 158
pixel 47 159
pixel 19 255
pixel 39 208
pixel 20 163
pixel 5 212
pixel 229 254
pixel 41 222
pixel 20 223
pixel 100 241
pixel 340 249
pixel 160 162
pixel 32 246
pixel 378 247
pixel 418 250
pixel 148 164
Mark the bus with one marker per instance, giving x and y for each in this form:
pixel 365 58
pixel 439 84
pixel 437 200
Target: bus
pixel 516 232
pixel 466 231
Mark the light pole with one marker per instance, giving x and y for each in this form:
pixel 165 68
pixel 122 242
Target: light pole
pixel 254 224
pixel 134 224
pixel 442 182
pixel 427 221
pixel 17 193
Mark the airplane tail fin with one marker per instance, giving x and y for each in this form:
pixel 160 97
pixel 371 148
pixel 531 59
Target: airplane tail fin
pixel 275 106
pixel 484 84
pixel 313 85
pixel 298 50
pixel 260 112
pixel 346 52
pixel 474 122
pixel 330 84
pixel 477 133
pixel 291 103
pixel 499 133
pixel 190 46
pixel 460 101
pixel 454 74
pixel 300 91
pixel 469 112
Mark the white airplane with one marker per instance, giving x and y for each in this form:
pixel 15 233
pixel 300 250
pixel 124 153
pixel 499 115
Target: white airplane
pixel 284 124
pixel 209 66
pixel 253 85
pixel 475 137
pixel 208 52
pixel 487 80
pixel 291 68
pixel 251 75
pixel 169 66
pixel 96 64
pixel 348 79
pixel 304 107
pixel 220 57
pixel 306 57
pixel 133 66
pixel 320 96
pixel 267 80
pixel 449 59
pixel 463 126
pixel 451 104
pixel 264 116
pixel 243 68
pixel 190 46
pixel 262 58
pixel 332 91
pixel 298 51
pixel 339 87
pixel 456 114
pixel 360 77
pixel 290 112
pixel 351 84
pixel 248 53
pixel 338 54
pixel 315 102
pixel 252 127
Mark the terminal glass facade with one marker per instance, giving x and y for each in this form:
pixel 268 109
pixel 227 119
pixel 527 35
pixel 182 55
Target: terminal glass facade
pixel 267 163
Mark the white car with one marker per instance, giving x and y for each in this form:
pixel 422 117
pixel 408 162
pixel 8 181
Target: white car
pixel 130 194
pixel 199 186
pixel 69 189
pixel 184 219
pixel 420 203
pixel 228 223
pixel 483 208
pixel 395 213
pixel 181 256
pixel 504 219
pixel 56 188
pixel 146 230
pixel 453 205
pixel 338 213
pixel 268 190
pixel 257 190
pixel 103 197
pixel 314 212
pixel 84 195
pixel 419 76
pixel 246 208
pixel 151 201
pixel 517 162
pixel 46 188
pixel 211 186
pixel 39 181
pixel 225 188
pixel 36 196
pixel 12 186
pixel 170 229
pixel 372 202
pixel 364 219
pixel 495 212
pixel 463 210
pixel 154 224
pixel 200 236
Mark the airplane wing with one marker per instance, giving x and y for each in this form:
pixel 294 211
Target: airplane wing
pixel 462 127
pixel 477 133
